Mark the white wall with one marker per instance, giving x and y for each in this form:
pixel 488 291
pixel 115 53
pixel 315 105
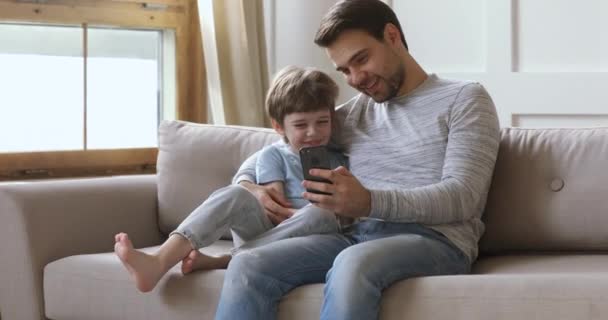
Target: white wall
pixel 290 30
pixel 545 62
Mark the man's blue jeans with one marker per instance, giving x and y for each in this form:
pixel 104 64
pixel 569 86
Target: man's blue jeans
pixel 355 265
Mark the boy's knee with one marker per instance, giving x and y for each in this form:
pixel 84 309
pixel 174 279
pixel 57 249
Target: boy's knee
pixel 318 215
pixel 323 216
pixel 234 193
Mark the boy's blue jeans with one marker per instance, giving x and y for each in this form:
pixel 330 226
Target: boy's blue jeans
pixel 356 266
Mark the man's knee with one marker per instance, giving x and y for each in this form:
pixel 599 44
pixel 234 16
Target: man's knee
pixel 244 268
pixel 246 262
pixel 350 263
pixel 349 281
pixel 368 260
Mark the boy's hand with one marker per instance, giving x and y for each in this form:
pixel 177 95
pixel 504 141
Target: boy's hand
pixel 276 207
pixel 348 197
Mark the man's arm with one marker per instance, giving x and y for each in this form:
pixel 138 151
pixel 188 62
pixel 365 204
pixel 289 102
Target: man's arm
pixel 469 163
pixel 471 152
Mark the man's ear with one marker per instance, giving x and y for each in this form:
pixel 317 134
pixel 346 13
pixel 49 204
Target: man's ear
pixel 392 34
pixel 277 127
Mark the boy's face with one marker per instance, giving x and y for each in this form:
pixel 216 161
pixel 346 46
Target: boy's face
pixel 305 129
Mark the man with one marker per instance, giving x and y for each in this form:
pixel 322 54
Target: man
pixel 422 152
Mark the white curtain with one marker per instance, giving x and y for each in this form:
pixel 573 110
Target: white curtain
pixel 235 60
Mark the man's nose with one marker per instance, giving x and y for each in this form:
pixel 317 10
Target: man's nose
pixel 356 77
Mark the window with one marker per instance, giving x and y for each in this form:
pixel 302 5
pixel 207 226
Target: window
pixel 80 88
pixel 86 83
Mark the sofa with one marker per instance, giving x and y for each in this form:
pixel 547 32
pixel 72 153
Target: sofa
pixel 543 255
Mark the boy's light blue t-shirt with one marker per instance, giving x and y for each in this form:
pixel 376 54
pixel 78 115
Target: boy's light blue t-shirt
pixel 277 162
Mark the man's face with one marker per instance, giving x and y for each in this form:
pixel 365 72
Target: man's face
pixel 373 67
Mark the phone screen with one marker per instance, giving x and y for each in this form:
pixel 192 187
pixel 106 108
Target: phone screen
pixel 315 158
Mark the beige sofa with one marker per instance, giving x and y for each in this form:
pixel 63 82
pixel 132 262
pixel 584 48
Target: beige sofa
pixel 543 255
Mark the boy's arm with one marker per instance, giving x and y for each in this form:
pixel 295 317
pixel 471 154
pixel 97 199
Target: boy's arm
pixel 246 171
pixel 272 198
pixel 270 166
pixel 276 186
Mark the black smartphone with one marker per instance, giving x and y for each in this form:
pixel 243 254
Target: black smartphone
pixel 315 158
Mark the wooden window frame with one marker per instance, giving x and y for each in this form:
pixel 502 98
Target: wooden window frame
pixel 179 15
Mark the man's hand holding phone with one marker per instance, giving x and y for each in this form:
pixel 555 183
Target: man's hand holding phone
pixel 336 190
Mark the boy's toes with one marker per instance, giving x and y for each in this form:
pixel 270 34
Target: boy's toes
pixel 186 266
pixel 123 239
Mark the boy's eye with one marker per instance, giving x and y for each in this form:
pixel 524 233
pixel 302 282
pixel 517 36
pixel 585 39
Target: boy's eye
pixel 300 126
pixel 323 121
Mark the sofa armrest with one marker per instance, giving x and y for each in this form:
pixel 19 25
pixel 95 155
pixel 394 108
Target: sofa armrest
pixel 44 221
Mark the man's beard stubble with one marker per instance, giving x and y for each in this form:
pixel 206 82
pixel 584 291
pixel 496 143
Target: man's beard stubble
pixel 393 84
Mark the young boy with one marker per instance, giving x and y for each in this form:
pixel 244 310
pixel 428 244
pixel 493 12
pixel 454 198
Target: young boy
pixel 300 104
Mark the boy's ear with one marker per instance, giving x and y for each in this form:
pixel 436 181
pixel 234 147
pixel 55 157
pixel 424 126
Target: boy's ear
pixel 277 127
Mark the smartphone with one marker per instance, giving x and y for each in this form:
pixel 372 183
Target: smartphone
pixel 315 158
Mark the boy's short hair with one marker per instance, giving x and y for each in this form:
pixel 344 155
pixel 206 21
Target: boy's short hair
pixel 296 89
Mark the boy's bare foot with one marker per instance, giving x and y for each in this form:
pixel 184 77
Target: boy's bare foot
pixel 198 261
pixel 145 269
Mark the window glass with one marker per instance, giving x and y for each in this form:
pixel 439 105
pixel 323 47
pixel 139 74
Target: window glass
pixel 123 95
pixel 42 88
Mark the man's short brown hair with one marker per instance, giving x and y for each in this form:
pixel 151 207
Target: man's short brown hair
pixel 296 89
pixel 370 16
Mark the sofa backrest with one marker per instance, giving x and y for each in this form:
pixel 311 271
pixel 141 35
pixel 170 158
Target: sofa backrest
pixel 549 191
pixel 196 159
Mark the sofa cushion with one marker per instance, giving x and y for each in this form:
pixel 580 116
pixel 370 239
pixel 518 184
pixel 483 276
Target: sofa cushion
pixel 549 191
pixel 96 286
pixel 542 263
pixel 196 159
pixel 511 287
